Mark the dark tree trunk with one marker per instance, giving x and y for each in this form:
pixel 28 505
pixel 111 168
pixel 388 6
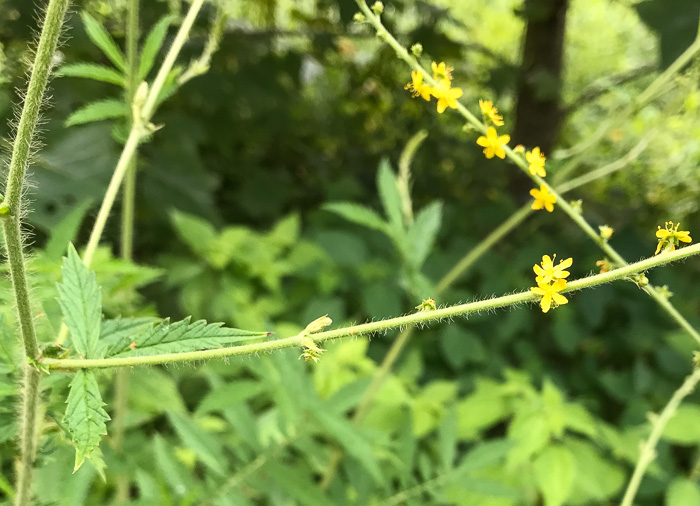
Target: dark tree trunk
pixel 538 102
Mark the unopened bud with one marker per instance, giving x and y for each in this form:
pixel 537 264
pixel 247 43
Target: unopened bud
pixel 318 325
pixel 417 49
pixel 378 7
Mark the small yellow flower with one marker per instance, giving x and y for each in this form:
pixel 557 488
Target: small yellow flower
pixel 549 294
pixel 549 272
pixel 442 71
pixel 606 232
pixel 543 199
pixel 519 149
pixel 446 95
pixel 416 86
pixel 536 160
pixel 670 237
pixel 490 112
pixel 493 143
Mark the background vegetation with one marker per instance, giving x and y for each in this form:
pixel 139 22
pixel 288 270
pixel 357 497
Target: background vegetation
pixel 299 108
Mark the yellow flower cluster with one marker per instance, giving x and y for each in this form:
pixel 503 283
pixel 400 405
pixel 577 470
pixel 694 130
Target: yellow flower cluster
pixel 551 279
pixel 444 92
pixel 493 146
pixel 670 237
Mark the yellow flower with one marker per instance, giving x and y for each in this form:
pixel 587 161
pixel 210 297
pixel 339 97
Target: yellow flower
pixel 416 86
pixel 490 112
pixel 670 237
pixel 548 272
pixel 543 199
pixel 446 95
pixel 549 294
pixel 536 160
pixel 493 143
pixel 442 71
pixel 604 265
pixel 606 232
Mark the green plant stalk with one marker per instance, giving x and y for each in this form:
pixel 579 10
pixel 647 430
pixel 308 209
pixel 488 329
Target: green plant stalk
pixel 648 452
pixel 401 52
pixel 373 327
pixel 139 129
pixel 201 64
pixel 21 148
pixel 121 381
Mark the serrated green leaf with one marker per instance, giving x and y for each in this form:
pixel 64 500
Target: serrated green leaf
pixel 555 470
pixel 203 444
pixel 180 337
pixel 94 72
pixel 358 214
pixel 423 231
pixel 390 197
pixel 66 230
pixel 85 417
pixel 97 111
pixel 102 39
pixel 115 332
pixel 81 304
pixel 153 44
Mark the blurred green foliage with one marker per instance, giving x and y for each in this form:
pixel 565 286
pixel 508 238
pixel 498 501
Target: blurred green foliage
pixel 300 110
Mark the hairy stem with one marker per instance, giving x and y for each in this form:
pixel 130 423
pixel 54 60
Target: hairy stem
pixel 648 452
pixel 41 70
pixel 374 327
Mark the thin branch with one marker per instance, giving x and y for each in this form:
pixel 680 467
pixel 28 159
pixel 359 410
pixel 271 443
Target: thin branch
pixel 445 313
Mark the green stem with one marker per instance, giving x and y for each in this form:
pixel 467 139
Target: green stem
pixel 129 189
pixel 384 34
pixel 121 381
pixel 28 436
pixel 648 452
pixel 139 129
pixel 373 327
pixel 41 70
